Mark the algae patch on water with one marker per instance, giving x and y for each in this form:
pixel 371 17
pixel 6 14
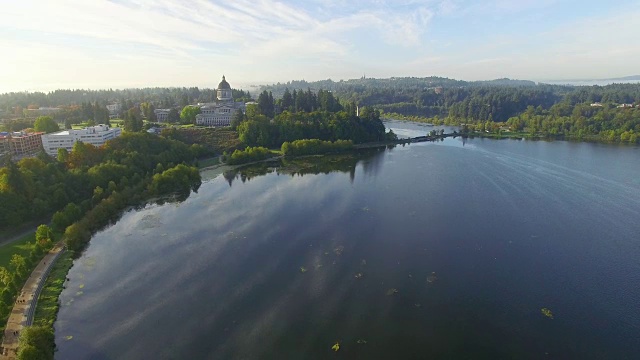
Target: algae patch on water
pixel 392 291
pixel 432 278
pixel 546 312
pixel 336 346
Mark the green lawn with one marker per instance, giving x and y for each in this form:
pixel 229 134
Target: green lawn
pixel 20 247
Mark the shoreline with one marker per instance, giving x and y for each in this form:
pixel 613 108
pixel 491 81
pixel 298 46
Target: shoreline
pixel 517 135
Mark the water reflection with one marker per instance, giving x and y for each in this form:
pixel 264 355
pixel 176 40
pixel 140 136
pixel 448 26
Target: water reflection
pixel 370 159
pixel 469 245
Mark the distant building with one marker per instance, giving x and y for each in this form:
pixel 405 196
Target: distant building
pixel 114 110
pixel 94 135
pixel 596 104
pixel 43 111
pixel 162 115
pixel 220 112
pixel 4 143
pixel 20 143
pixel 625 105
pixel 438 90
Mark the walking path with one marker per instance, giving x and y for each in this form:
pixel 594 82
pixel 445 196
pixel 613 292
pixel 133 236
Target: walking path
pixel 25 306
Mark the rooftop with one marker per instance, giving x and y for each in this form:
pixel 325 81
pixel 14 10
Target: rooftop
pixel 93 129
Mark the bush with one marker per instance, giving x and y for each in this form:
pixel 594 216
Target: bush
pixel 315 147
pixel 36 342
pixel 250 154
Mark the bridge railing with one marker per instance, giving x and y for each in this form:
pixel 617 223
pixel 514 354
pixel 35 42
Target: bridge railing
pixel 31 310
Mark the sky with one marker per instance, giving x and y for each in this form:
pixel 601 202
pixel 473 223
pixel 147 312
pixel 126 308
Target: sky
pixel 99 44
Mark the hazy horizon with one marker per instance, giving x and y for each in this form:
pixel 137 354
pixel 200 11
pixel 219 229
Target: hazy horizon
pixel 102 44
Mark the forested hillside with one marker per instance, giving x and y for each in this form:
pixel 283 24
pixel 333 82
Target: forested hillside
pixel 34 188
pixel 601 113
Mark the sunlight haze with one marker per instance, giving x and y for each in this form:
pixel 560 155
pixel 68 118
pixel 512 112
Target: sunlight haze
pixel 99 44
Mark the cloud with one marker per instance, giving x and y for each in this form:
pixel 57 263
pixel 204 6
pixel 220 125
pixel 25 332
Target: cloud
pixel 122 43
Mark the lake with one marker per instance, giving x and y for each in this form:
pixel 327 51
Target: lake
pixel 434 250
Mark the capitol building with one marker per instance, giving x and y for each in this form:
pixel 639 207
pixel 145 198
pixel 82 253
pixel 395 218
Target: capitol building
pixel 219 113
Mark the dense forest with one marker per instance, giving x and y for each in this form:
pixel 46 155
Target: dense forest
pixel 307 115
pixel 601 113
pixel 34 188
pixel 161 97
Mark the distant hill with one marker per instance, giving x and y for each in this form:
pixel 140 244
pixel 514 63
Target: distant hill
pixel 590 82
pixel 632 77
pixel 398 83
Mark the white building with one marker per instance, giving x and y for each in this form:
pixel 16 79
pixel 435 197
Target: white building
pixel 94 135
pixel 220 112
pixel 114 108
pixel 161 114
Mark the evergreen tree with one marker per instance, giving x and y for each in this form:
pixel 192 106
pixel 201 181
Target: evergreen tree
pixel 287 100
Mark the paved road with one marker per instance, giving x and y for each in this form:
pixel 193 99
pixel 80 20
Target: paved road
pixel 24 308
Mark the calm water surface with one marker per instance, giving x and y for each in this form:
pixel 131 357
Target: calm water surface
pixel 442 250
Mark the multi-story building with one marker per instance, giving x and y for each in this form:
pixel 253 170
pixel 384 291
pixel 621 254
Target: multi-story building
pixel 114 110
pixel 5 148
pixel 20 143
pixel 219 113
pixel 162 115
pixel 94 135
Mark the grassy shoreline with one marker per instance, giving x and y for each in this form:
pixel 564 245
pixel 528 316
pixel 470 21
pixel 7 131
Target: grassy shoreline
pixel 48 303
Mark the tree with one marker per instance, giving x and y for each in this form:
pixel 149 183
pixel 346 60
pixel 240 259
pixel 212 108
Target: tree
pixel 287 100
pixel 43 233
pixel 46 124
pixel 6 278
pixel 36 342
pixel 63 155
pixel 100 114
pixel 265 104
pixel 188 114
pixel 173 116
pixel 238 117
pixel 132 121
pixel 19 264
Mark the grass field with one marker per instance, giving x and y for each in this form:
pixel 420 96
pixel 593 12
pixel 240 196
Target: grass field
pixel 21 247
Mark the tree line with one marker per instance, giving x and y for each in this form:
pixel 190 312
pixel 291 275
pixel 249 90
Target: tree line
pixel 249 154
pixel 36 187
pixel 14 102
pixel 315 147
pixel 544 110
pixel 307 115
